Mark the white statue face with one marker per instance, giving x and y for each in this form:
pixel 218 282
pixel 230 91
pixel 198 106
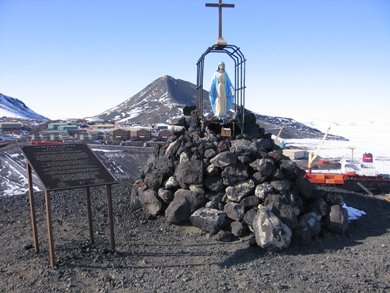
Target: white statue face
pixel 221 67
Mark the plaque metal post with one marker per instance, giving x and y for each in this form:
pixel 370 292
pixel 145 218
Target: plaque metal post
pixel 49 228
pixel 110 218
pixel 90 215
pixel 32 209
pixel 75 160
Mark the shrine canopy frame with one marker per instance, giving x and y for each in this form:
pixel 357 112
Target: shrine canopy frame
pixel 238 57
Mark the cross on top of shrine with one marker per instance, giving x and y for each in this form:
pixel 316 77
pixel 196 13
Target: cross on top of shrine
pixel 220 5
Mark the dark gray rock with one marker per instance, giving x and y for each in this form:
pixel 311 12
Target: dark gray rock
pixel 165 195
pixel 304 187
pixel 283 209
pixel 255 165
pixel 185 202
pixel 241 147
pixel 165 165
pixel 270 232
pixel 212 205
pixel 190 172
pixel 238 229
pixel 263 145
pixel 320 207
pixel 223 146
pixel 235 173
pixel 250 202
pixel 309 225
pixel 234 211
pixel 154 179
pixel 149 165
pixel 244 159
pixel 282 186
pixel 209 153
pixel 238 191
pixel 262 190
pixel 197 188
pixel 150 201
pixel 278 175
pixel 208 219
pixel 224 159
pixel 195 199
pixel 136 190
pixel 291 170
pixel 258 178
pixel 172 183
pixel 276 155
pixel 213 184
pixel 212 170
pixel 334 199
pixel 178 211
pixel 250 215
pixel 188 109
pixel 337 219
pixel 265 166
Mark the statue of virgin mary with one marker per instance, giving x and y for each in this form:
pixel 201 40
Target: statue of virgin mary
pixel 221 92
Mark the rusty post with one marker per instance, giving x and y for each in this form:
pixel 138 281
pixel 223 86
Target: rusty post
pixel 49 229
pixel 90 215
pixel 32 208
pixel 110 218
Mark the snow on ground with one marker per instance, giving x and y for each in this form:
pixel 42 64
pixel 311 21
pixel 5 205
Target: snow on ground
pixel 364 137
pixel 354 214
pixel 106 150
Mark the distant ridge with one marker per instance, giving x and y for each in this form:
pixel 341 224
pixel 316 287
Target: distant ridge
pixel 14 108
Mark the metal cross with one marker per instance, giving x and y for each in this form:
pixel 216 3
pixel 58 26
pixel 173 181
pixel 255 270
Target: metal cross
pixel 220 5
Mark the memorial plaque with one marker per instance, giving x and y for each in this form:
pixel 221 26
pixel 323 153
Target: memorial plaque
pixel 66 166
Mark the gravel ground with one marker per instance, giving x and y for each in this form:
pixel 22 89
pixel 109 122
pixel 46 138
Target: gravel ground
pixel 152 256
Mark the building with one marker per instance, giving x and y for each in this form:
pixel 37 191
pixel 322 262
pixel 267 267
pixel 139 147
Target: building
pixel 295 154
pixel 164 134
pixel 102 126
pixel 141 134
pixel 55 125
pixel 10 126
pixel 121 134
pixel 67 127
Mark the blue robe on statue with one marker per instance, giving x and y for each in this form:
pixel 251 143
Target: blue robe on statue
pixel 221 92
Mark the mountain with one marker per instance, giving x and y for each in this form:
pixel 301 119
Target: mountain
pixel 14 108
pixel 163 100
pixel 159 102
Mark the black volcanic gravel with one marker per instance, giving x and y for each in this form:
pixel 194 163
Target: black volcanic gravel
pixel 153 256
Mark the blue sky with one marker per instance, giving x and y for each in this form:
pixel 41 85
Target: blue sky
pixel 305 58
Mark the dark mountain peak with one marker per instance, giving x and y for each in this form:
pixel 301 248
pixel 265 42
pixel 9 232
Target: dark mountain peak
pixel 159 102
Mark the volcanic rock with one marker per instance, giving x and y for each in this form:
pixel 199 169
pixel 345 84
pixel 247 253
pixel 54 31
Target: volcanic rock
pixel 235 183
pixel 270 232
pixel 209 220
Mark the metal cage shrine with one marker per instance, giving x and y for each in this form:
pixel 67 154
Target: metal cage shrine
pixel 239 79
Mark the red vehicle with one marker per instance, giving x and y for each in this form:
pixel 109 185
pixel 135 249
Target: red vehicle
pixel 45 142
pixel 367 158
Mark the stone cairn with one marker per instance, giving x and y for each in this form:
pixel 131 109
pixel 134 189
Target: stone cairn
pixel 237 185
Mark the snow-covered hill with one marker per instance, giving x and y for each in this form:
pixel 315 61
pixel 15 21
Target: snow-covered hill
pixel 14 108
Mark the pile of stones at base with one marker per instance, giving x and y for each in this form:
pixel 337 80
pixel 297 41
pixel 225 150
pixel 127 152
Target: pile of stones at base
pixel 236 185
